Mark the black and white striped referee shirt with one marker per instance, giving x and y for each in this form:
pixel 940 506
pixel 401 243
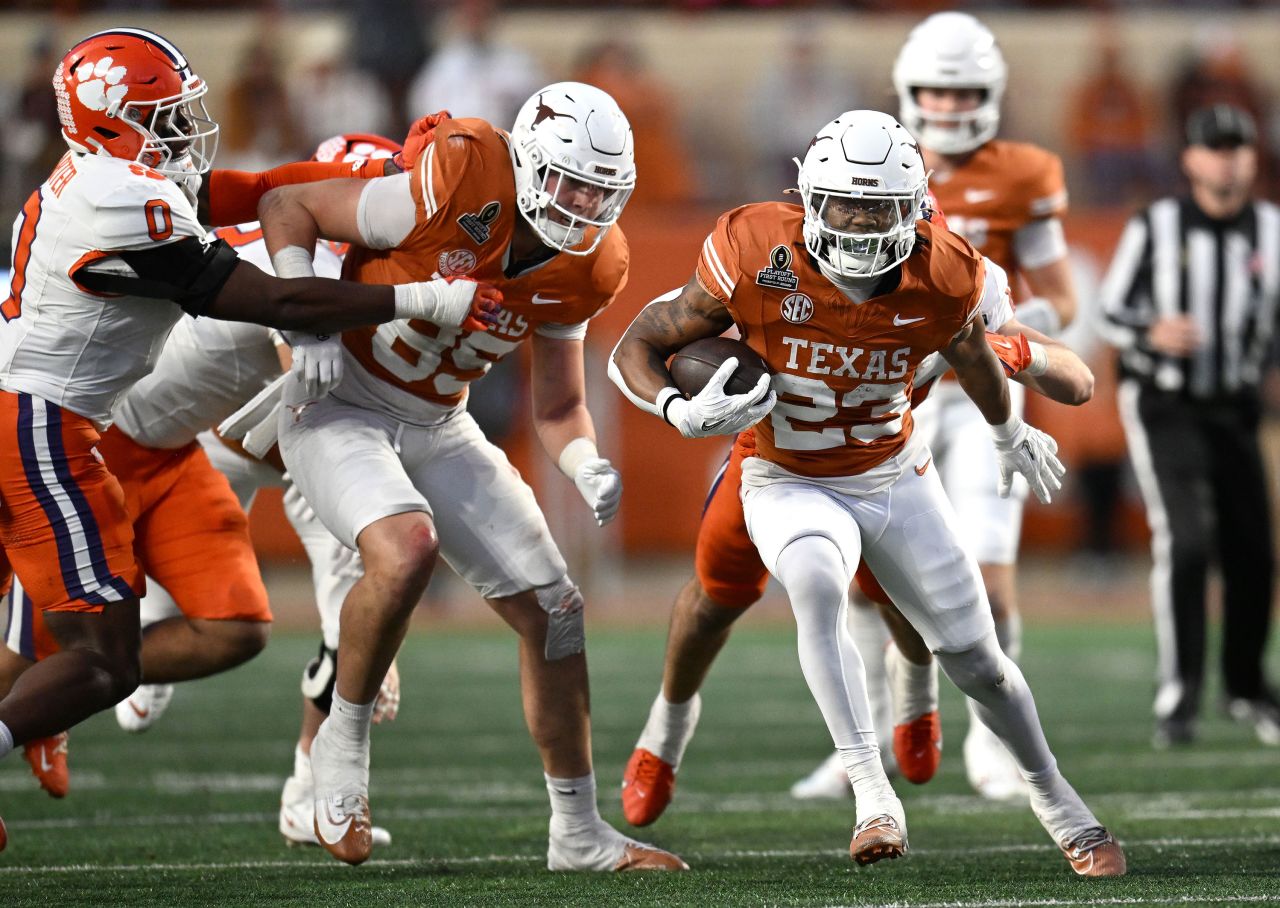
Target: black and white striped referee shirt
pixel 1175 260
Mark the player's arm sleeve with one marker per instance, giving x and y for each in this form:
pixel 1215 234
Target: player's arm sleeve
pixel 1040 242
pixel 1125 293
pixel 233 194
pixel 386 213
pixel 188 272
pixel 996 305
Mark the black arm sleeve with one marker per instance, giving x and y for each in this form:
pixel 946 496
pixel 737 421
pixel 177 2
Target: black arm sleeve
pixel 186 271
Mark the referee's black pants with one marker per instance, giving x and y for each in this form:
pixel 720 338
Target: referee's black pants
pixel 1200 469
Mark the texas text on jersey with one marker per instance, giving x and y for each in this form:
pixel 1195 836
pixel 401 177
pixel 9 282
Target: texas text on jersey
pixel 843 371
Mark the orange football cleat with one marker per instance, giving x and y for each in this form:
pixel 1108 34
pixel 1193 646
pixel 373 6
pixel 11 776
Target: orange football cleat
pixel 646 857
pixel 648 784
pixel 48 759
pixel 344 829
pixel 917 746
pixel 876 839
pixel 1096 852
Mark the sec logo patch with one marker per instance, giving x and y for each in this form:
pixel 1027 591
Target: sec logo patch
pixel 457 262
pixel 797 308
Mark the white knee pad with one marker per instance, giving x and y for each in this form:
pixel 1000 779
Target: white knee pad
pixel 812 569
pixel 566 632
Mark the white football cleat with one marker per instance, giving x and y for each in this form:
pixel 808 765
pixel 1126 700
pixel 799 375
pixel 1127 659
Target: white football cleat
pixel 604 849
pixel 142 708
pixel 341 821
pixel 829 782
pixel 991 769
pixel 298 816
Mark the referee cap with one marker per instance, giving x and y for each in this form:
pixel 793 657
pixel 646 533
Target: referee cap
pixel 1221 126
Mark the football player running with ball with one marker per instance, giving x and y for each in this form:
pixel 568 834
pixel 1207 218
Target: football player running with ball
pixel 396 468
pixel 838 474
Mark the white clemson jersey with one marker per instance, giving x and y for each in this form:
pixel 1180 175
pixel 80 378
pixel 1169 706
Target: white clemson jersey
pixel 59 340
pixel 210 368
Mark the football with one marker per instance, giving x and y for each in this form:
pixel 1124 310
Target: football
pixel 694 364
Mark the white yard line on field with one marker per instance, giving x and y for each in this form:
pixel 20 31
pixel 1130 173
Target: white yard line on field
pixel 706 856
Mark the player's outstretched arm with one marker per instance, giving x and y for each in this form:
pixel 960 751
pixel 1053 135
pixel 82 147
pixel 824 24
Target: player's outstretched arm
pixel 564 425
pixel 979 372
pixel 1049 368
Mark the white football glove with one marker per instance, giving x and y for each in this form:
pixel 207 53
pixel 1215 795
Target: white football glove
pixel 713 412
pixel 1024 449
pixel 450 302
pixel 601 486
pixel 317 360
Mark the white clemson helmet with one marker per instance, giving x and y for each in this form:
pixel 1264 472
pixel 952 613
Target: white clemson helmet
pixel 575 164
pixel 863 185
pixel 951 50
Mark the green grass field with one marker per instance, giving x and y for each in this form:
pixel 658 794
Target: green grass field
pixel 185 815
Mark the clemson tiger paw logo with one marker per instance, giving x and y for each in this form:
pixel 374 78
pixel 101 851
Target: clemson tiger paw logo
pixel 99 84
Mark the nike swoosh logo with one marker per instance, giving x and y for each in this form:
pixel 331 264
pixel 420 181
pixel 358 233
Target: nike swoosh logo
pixel 45 765
pixel 140 713
pixel 899 321
pixel 708 425
pixel 1001 343
pixel 539 300
pixel 920 470
pixel 571 791
pixel 327 827
pixel 977 196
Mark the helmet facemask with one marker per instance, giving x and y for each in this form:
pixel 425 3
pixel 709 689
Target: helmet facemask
pixel 860 236
pixel 952 132
pixel 574 162
pixel 560 204
pixel 179 137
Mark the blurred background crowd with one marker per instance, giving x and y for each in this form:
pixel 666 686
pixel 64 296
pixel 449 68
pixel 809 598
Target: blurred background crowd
pixel 721 95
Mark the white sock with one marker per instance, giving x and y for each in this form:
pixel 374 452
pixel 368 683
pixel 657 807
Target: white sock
pixel 349 722
pixel 670 728
pixel 871 636
pixel 573 803
pixel 302 765
pixel 871 786
pixel 6 740
pixel 1056 804
pixel 914 687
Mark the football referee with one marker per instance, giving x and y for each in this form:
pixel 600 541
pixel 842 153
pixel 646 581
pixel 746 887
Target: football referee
pixel 1191 302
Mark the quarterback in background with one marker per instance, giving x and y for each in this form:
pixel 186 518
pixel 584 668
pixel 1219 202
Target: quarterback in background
pixel 1007 199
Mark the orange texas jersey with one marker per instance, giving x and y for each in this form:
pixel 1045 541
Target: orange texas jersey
pixel 843 370
pixel 464 192
pixel 1001 188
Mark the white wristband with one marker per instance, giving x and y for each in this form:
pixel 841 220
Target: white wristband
pixel 575 453
pixel 1005 430
pixel 293 261
pixel 1039 364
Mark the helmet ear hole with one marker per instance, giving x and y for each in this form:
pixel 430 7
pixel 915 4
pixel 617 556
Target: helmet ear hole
pixel 106 133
